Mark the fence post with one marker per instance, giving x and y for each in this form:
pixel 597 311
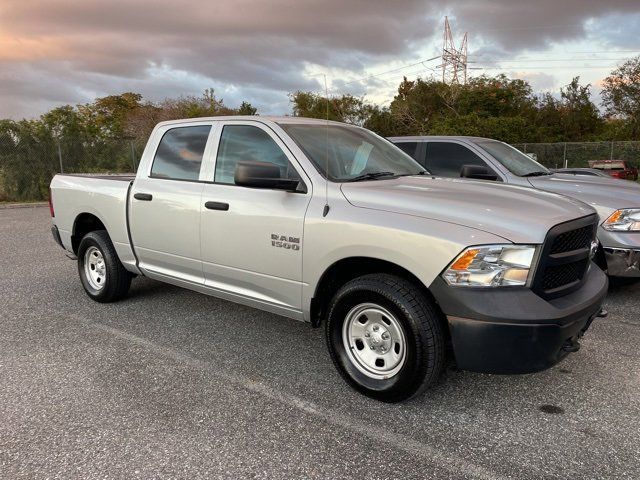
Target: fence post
pixel 611 155
pixel 133 155
pixel 564 155
pixel 60 157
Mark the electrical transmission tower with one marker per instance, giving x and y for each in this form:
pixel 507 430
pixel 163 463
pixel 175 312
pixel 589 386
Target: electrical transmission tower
pixel 454 60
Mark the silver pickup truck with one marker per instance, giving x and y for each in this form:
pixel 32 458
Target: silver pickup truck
pixel 617 203
pixel 329 223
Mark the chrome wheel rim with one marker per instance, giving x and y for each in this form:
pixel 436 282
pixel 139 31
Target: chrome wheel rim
pixel 94 268
pixel 374 341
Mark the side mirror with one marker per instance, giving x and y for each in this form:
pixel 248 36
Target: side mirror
pixel 477 172
pixel 264 175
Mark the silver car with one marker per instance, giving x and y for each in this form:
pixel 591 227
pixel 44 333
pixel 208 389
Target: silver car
pixel 617 203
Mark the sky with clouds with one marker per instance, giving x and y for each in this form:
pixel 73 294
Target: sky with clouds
pixel 54 52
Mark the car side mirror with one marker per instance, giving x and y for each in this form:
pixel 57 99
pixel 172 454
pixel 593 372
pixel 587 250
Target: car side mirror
pixel 265 175
pixel 478 172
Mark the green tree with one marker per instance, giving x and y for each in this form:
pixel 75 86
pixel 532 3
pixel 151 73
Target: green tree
pixel 247 109
pixel 580 117
pixel 495 107
pixel 93 137
pixel 548 120
pixel 345 108
pixel 140 122
pixel 621 96
pixel 107 116
pixel 420 104
pixel 28 159
pixel 495 97
pixel 381 121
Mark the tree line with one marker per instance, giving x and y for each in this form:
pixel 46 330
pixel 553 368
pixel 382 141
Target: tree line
pixel 110 133
pixel 495 107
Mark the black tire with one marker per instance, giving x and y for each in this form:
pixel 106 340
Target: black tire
pixel 422 326
pixel 118 279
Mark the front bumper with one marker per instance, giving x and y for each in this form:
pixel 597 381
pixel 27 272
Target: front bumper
pixel 621 252
pixel 622 262
pixel 513 330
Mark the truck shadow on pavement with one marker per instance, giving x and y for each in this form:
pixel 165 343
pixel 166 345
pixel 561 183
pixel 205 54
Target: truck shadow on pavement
pixel 293 356
pixel 205 348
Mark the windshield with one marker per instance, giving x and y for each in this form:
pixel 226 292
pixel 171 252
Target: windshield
pixel 513 159
pixel 353 153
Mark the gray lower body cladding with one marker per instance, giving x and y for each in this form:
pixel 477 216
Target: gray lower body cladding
pixel 513 330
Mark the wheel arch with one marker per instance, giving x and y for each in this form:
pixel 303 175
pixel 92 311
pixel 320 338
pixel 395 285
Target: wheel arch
pixel 84 223
pixel 346 269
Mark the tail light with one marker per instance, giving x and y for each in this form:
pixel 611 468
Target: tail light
pixel 53 214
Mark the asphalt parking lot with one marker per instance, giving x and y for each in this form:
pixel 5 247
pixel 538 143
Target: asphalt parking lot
pixel 173 384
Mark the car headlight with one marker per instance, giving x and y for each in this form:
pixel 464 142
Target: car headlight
pixel 624 220
pixel 491 266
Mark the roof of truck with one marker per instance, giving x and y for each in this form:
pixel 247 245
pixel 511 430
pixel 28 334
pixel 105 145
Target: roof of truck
pixel 255 118
pixel 416 138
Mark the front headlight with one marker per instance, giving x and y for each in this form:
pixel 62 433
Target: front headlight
pixel 624 220
pixel 491 266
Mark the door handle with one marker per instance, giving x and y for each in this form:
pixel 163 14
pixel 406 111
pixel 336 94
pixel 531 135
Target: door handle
pixel 217 206
pixel 143 196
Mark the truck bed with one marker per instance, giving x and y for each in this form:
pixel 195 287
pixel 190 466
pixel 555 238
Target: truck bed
pixel 102 196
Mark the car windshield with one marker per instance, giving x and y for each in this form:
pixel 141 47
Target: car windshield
pixel 351 153
pixel 513 159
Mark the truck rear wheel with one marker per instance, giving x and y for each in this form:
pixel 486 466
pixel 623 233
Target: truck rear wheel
pixel 385 337
pixel 103 276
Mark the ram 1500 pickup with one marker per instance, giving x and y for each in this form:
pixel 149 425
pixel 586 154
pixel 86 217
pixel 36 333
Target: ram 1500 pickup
pixel 331 224
pixel 617 203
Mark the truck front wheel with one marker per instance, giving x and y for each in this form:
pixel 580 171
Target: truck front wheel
pixel 385 337
pixel 103 276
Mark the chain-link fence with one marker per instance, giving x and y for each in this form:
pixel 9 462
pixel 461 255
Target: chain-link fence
pixel 27 167
pixel 578 154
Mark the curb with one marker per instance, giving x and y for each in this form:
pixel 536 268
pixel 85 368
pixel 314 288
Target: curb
pixel 7 206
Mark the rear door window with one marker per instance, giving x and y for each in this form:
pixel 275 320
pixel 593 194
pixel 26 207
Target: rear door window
pixel 179 154
pixel 410 148
pixel 447 159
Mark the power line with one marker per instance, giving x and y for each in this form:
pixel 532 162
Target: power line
pixel 422 62
pixel 537 67
pixel 496 64
pixel 602 51
pixel 531 27
pixel 390 71
pixel 408 74
pixel 550 60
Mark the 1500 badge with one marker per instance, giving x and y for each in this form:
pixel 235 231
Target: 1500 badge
pixel 284 241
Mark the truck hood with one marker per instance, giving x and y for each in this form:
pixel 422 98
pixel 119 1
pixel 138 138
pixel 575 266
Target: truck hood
pixel 604 194
pixel 518 214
